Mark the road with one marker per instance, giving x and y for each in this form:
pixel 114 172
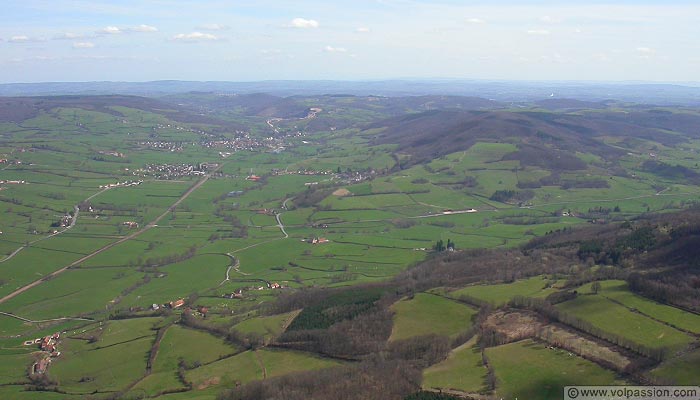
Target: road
pixel 120 241
pixel 278 217
pixel 44 320
pixel 279 224
pixel 76 211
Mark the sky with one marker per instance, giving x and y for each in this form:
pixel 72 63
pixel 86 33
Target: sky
pixel 216 40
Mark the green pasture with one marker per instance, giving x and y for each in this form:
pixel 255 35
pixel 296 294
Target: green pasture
pixel 529 370
pixel 463 370
pixel 426 314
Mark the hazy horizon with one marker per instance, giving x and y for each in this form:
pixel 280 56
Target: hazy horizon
pixel 613 41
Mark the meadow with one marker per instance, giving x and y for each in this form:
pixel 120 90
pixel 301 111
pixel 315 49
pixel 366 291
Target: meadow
pixel 427 313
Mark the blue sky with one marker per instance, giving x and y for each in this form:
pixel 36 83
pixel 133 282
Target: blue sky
pixel 82 40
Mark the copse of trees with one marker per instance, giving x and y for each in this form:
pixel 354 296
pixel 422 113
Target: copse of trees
pixel 441 246
pixel 374 379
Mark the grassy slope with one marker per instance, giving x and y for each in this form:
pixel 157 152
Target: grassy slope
pixel 248 366
pixel 426 314
pixel 614 318
pixel 528 370
pixel 499 294
pixel 462 370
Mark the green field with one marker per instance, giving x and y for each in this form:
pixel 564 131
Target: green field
pixel 425 314
pixel 620 320
pixel 683 370
pixel 619 292
pixel 498 294
pixel 463 370
pixel 268 327
pixel 254 365
pixel 529 370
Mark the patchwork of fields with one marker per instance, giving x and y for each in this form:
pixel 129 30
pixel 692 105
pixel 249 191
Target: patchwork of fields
pixel 160 251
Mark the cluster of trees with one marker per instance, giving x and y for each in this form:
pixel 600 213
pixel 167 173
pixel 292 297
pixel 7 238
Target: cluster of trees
pixel 374 379
pixel 585 184
pixel 422 395
pixel 623 247
pixel 529 220
pixel 671 171
pixel 312 196
pixel 392 372
pixel 440 246
pixel 337 307
pixel 152 262
pixel 512 196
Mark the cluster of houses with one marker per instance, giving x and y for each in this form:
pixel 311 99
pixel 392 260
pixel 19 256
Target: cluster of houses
pixel 181 128
pixel 343 177
pixel 12 182
pixel 238 293
pixel 265 211
pixel 179 303
pixel 172 147
pixel 65 221
pixel 8 161
pixel 239 143
pixel 111 153
pixel 169 171
pixel 316 240
pixel 48 345
pixel 171 305
pixel 130 224
pixel 121 184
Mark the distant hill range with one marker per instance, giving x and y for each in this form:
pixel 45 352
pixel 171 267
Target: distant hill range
pixel 549 134
pixel 509 91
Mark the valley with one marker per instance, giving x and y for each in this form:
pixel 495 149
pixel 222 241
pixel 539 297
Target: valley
pixel 212 246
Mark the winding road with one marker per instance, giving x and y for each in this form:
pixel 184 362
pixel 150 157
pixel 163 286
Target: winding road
pixel 76 211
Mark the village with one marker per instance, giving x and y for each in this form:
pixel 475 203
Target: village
pixel 343 177
pixel 161 145
pixel 121 184
pixel 49 350
pixel 173 171
pixel 238 143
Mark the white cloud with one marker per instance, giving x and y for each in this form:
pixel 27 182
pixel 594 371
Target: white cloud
pixel 212 27
pixel 549 20
pixel 68 36
pixel 25 39
pixel 331 49
pixel 115 30
pixel 363 29
pixel 19 39
pixel 303 23
pixel 143 28
pixel 194 37
pixel 645 52
pixel 476 21
pixel 110 30
pixel 83 45
pixel 539 32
